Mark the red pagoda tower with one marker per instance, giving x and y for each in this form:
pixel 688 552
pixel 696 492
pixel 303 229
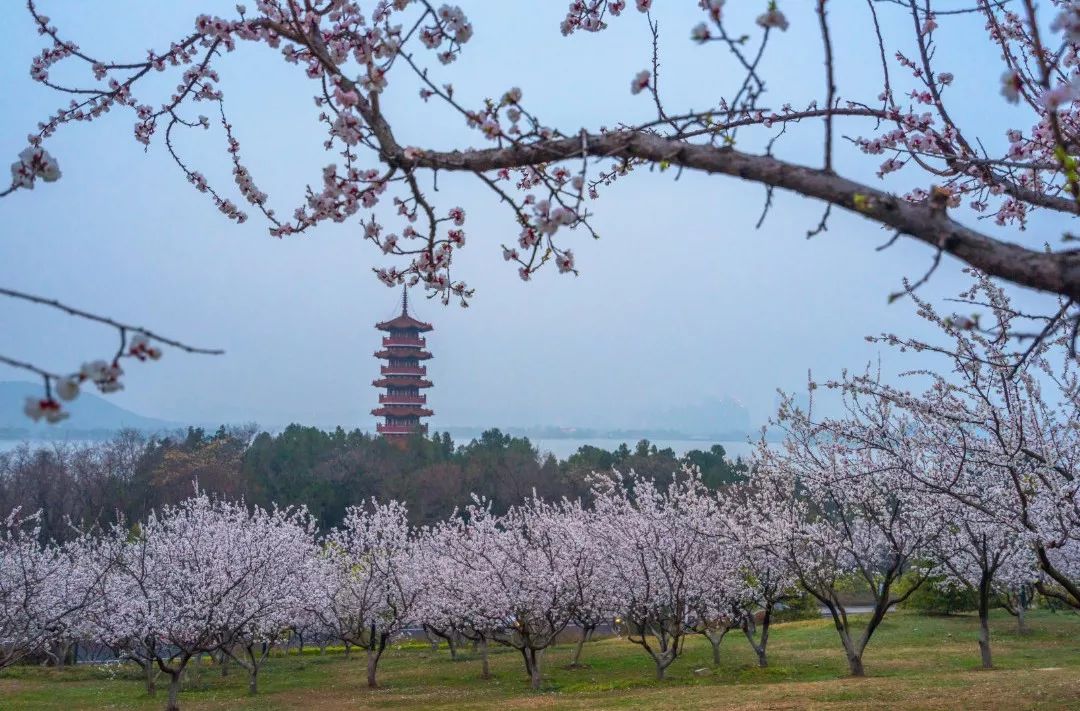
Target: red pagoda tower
pixel 403 377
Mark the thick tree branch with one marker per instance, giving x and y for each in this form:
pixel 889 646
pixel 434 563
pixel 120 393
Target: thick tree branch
pixel 1055 272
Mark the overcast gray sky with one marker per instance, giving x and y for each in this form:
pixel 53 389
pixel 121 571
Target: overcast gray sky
pixel 680 301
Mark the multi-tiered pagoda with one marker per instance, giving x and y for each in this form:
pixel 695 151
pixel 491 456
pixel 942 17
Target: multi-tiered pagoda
pixel 403 377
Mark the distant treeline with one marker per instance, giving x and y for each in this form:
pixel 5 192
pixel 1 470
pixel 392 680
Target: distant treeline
pixel 129 475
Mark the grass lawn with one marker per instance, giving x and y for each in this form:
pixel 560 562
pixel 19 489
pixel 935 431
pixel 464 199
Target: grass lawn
pixel 913 662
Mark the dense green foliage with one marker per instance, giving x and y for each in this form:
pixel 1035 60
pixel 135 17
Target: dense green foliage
pixel 938 596
pixel 802 606
pixel 326 471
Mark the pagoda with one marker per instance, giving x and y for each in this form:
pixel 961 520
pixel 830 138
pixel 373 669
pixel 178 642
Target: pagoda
pixel 403 377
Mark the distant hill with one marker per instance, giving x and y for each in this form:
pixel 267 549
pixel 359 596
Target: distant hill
pixel 92 416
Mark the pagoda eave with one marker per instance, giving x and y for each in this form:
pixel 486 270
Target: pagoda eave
pixel 403 322
pixel 416 353
pixel 401 383
pixel 402 411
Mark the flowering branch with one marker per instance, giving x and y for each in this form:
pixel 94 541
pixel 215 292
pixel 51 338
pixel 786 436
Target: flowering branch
pixel 135 342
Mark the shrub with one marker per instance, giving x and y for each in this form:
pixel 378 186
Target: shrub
pixel 803 607
pixel 937 596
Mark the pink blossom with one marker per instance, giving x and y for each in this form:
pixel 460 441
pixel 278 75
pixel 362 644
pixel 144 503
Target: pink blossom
pixel 773 18
pixel 1010 86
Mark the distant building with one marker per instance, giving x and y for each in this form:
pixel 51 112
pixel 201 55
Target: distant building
pixel 403 377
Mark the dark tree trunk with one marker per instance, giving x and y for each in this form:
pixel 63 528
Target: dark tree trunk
pixel 716 638
pixel 485 670
pixel 532 665
pixel 854 655
pixel 174 692
pixel 432 638
pixel 855 664
pixel 586 632
pixel 534 677
pixel 374 652
pixel 984 621
pixel 372 667
pixel 252 665
pixel 151 678
pixel 1021 609
pixel 759 645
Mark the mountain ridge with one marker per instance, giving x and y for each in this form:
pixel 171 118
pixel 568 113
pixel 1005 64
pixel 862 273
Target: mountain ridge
pixel 92 416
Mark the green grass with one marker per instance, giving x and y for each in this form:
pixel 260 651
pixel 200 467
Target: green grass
pixel 913 662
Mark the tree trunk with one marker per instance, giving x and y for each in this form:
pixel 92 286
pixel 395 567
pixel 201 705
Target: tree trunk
pixel 452 644
pixel 252 666
pixel 528 663
pixel 534 676
pixel 151 678
pixel 194 670
pixel 348 650
pixel 984 621
pixel 174 692
pixel 715 641
pixel 854 657
pixel 750 630
pixel 585 634
pixel 223 659
pixel 485 670
pixel 1021 608
pixel 432 638
pixel 372 665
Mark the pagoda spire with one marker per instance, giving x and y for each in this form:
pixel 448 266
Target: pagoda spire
pixel 404 299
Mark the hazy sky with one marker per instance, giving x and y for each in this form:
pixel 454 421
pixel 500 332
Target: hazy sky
pixel 681 300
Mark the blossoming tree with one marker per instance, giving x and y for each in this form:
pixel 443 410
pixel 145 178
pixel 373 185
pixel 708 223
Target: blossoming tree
pixel 659 563
pixel 44 588
pixel 833 504
pixel 369 586
pixel 1004 424
pixel 197 576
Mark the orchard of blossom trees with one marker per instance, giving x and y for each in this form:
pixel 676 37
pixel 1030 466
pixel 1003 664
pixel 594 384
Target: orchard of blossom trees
pixel 972 476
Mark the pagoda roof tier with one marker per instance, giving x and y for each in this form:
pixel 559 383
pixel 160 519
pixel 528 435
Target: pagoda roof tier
pixel 399 381
pixel 403 322
pixel 396 352
pixel 402 411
